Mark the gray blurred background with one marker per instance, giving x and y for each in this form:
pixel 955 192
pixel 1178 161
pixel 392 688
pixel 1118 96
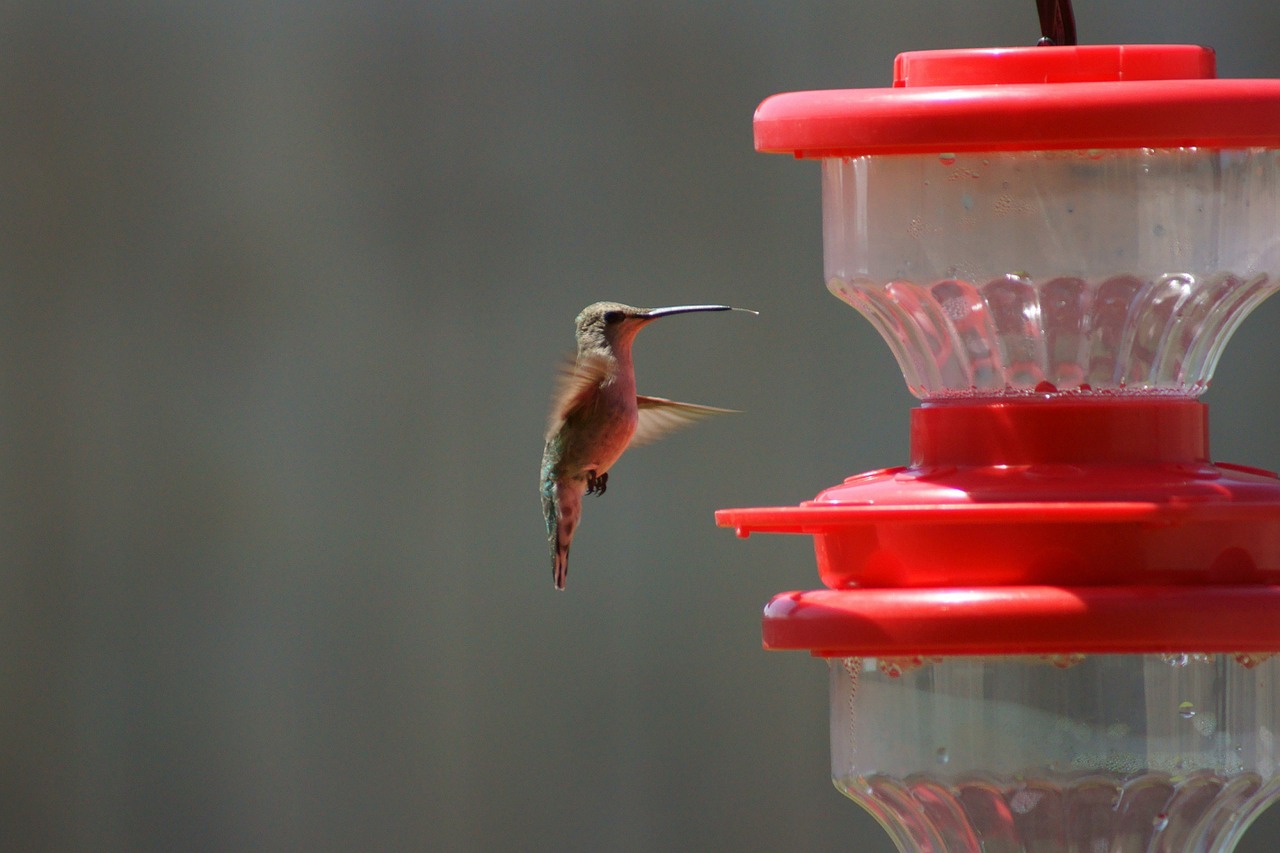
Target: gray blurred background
pixel 282 289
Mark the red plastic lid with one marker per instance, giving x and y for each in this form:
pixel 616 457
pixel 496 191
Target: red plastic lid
pixel 1038 98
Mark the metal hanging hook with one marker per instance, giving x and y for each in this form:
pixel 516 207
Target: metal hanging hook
pixel 1057 23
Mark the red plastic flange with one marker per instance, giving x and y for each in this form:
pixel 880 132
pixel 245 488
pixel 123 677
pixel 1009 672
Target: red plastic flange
pixel 1024 620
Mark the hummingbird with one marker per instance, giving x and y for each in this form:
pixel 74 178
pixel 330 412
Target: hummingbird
pixel 596 415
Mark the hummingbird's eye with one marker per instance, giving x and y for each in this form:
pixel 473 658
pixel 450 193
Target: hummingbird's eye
pixel 612 317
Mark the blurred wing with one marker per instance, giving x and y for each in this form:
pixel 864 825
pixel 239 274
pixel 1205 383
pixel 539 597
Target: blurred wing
pixel 659 417
pixel 576 380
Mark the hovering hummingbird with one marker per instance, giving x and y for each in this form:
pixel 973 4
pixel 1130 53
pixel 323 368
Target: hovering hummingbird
pixel 596 415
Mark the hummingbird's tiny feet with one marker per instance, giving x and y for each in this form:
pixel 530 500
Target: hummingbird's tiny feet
pixel 596 483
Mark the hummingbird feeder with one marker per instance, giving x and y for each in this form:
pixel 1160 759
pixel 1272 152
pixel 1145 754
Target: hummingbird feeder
pixel 1055 628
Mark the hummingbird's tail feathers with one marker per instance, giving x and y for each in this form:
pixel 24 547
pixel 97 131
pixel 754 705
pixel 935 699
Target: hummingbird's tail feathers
pixel 562 521
pixel 657 417
pixel 577 378
pixel 560 568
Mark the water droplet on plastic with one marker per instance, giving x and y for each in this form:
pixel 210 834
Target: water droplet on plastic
pixel 1178 660
pixel 942 756
pixel 955 308
pixel 1186 710
pixel 859 786
pixel 897 667
pixel 1024 801
pixel 947 159
pixel 1094 153
pixel 1160 821
pixel 890 668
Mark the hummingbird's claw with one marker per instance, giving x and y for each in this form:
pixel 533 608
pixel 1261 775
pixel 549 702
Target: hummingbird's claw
pixel 596 483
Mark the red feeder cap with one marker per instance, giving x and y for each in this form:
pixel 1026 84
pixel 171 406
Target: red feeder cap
pixel 1095 63
pixel 1027 99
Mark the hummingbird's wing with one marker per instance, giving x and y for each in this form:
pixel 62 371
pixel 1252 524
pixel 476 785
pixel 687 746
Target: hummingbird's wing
pixel 657 417
pixel 578 377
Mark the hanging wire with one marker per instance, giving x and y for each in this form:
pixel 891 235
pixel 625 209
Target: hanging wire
pixel 1057 22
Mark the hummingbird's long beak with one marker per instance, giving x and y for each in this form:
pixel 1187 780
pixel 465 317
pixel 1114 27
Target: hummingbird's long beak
pixel 689 309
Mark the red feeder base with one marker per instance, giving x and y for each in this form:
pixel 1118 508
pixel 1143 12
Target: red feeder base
pixel 1050 524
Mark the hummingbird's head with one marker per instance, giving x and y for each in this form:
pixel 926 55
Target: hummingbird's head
pixel 612 325
pixel 609 325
